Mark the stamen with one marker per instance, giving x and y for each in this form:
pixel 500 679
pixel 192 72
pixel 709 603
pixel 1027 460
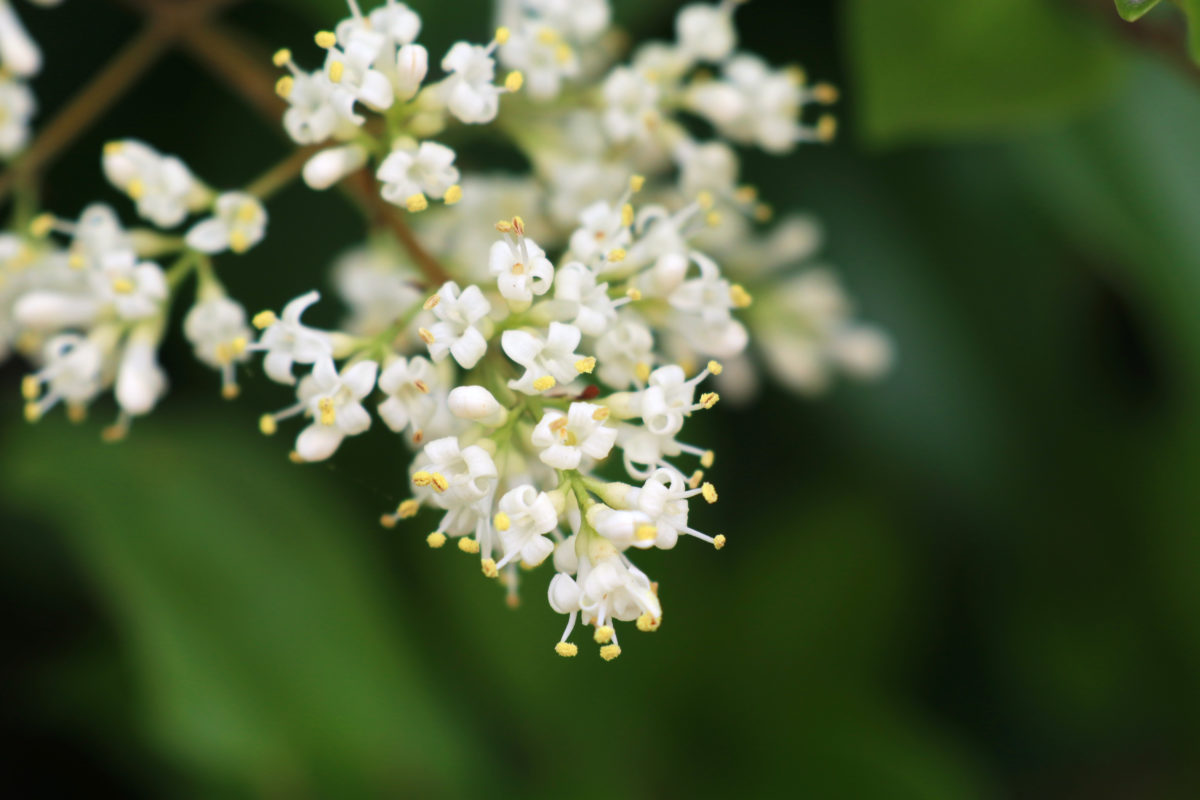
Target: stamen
pixel 435 539
pixel 452 195
pixel 514 81
pixel 325 39
pixel 264 319
pixel 266 424
pixel 488 567
pixel 501 521
pixel 416 203
pixel 603 634
pixel 543 383
pixel 709 493
pixel 585 365
pixel 566 649
pixel 468 545
pixel 610 651
pixel 719 541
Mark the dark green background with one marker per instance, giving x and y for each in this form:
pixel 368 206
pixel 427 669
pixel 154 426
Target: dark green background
pixel 977 578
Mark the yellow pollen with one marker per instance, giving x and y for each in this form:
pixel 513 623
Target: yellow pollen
pixel 543 383
pixel 76 261
pixel 284 86
pixel 617 254
pixel 518 268
pixel 388 520
pixel 295 458
pixel 239 242
pixel 136 188
pixel 123 286
pixel 230 391
pixel 694 481
pixel 431 303
pixel 739 296
pixel 636 183
pixel 422 387
pixel 719 541
pixel 825 93
pixel 712 219
pixel 408 509
pixel 746 194
pixel 601 414
pixel 452 195
pixel 440 484
pixel 282 57
pixel 715 367
pixel 633 293
pixel 512 600
pixel 547 36
pixel 76 412
pixel 502 35
pixel 501 521
pixel 518 226
pixel 435 539
pixel 112 148
pixel 416 203
pixel 563 53
pixel 267 424
pixel 705 200
pixel 33 412
pixel 706 460
pixel 514 80
pixel 709 399
pixel 585 365
pixel 488 567
pixel 238 345
pixel 645 533
pixel 642 371
pixel 328 412
pixel 559 424
pixel 763 212
pixel 336 70
pixel 627 215
pixel 610 651
pixel 31 387
pixel 708 492
pixel 504 226
pixel 264 319
pixel 422 478
pixel 566 649
pixel 42 225
pixel 247 212
pixel 325 39
pixel 647 623
pixel 468 545
pixel 827 128
pixel 603 634
pixel 796 75
pixel 114 433
pixel 425 335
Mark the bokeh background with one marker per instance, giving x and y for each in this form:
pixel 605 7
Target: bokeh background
pixel 977 578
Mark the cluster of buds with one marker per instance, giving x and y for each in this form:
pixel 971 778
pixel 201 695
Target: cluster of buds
pixel 543 368
pixel 20 60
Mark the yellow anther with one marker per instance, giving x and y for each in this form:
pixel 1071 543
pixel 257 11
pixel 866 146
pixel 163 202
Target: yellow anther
pixel 328 412
pixel 603 634
pixel 336 71
pixel 566 649
pixel 504 226
pixel 230 391
pixel 425 335
pixel 31 387
pixel 247 212
pixel 559 424
pixel 422 386
pixel 610 651
pixel 502 35
pixel 114 433
pixel 796 74
pixel 642 371
pixel 518 226
pixel 136 188
pixel 763 212
pixel 76 261
pixel 746 194
pixel 112 148
pixel 627 215
pixel 585 365
pixel 239 242
pixel 633 293
pixel 33 412
pixel 440 484
pixel 468 545
pixel 267 424
pixel 408 509
pixel 563 53
pixel 715 367
pixel 739 296
pixel 600 414
pixel 705 200
pixel 436 539
pixel 284 86
pixel 712 219
pixel 514 80
pixel 238 345
pixel 325 39
pixel 645 533
pixel 636 183
pixel 825 93
pixel 547 36
pixel 512 600
pixel 76 412
pixel 123 286
pixel 422 478
pixel 647 623
pixel 488 567
pixel 827 128
pixel 501 521
pixel 388 520
pixel 617 254
pixel 264 319
pixel 431 303
pixel 543 383
pixel 694 481
pixel 719 541
pixel 706 460
pixel 416 203
pixel 709 399
pixel 708 492
pixel 42 225
pixel 282 57
pixel 518 268
pixel 452 195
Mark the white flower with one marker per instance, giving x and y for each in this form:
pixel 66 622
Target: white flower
pixel 710 167
pixel 624 354
pixel 669 398
pixel 140 380
pixel 134 290
pixel 458 476
pixel 754 104
pixel 602 229
pixel 162 186
pixel 376 284
pixel 468 91
pixel 99 240
pixel 287 341
pixel 72 372
pixel 525 515
pixel 588 303
pixel 311 117
pixel 663 499
pixel 706 31
pixel 239 223
pixel 457 331
pixel 548 361
pixel 329 166
pixel 565 439
pixel 582 20
pixel 334 400
pixel 611 589
pixel 16 108
pixel 19 54
pixel 521 270
pixel 621 526
pixel 396 21
pixel 216 327
pixel 543 58
pixel 349 67
pixel 631 105
pixel 409 173
pixel 410 69
pixel 409 384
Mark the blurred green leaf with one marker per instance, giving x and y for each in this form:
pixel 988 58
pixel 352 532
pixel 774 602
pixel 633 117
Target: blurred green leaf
pixel 1131 10
pixel 930 69
pixel 264 647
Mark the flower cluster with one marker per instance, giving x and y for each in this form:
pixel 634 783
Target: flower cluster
pixel 539 341
pixel 20 60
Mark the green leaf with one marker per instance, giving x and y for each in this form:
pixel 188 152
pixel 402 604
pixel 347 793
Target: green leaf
pixel 927 69
pixel 252 614
pixel 1192 9
pixel 1131 10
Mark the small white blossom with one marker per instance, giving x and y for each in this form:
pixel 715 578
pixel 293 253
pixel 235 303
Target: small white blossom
pixel 586 301
pixel 457 330
pixel 564 439
pixel 163 188
pixel 706 31
pixel 458 476
pixel 409 173
pixel 409 384
pixel 216 327
pixel 311 117
pixel 72 373
pixel 468 91
pixel 349 67
pixel 527 515
pixel 140 380
pixel 631 105
pixel 547 362
pixel 288 341
pixel 521 270
pixel 239 223
pixel 19 54
pixel 16 109
pixel 135 290
pixel 624 354
pixel 334 400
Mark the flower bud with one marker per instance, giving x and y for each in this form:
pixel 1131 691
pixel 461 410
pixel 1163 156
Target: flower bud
pixel 329 166
pixel 412 63
pixel 477 403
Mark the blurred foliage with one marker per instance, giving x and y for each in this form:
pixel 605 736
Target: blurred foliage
pixel 975 579
pixel 1133 10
